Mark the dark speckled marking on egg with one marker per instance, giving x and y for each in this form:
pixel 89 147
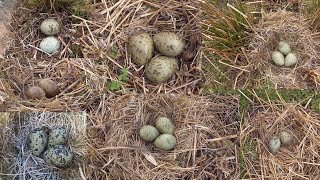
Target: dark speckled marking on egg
pixel 58 136
pixel 169 44
pixel 59 156
pixel 161 68
pixel 141 48
pixel 38 140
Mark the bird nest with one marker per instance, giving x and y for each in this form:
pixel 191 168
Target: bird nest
pixel 296 161
pixel 274 27
pixel 206 133
pixel 103 38
pixel 17 161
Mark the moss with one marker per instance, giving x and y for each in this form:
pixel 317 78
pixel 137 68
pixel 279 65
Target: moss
pixel 249 151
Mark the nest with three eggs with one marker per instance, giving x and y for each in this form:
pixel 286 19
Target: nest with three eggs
pixel 44 145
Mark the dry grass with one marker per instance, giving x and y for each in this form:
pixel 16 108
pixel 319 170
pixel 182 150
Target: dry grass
pixel 103 37
pixel 297 161
pixel 206 131
pixel 259 70
pixel 24 165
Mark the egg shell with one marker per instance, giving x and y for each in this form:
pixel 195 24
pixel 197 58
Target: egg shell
pixel 278 58
pixel 274 144
pixel 50 44
pixel 169 43
pixel 291 59
pixel 50 27
pixel 286 137
pixel 284 48
pixel 60 156
pixel 148 133
pixel 141 48
pixel 58 136
pixel 164 125
pixel 48 153
pixel 50 87
pixel 165 142
pixel 38 140
pixel 35 92
pixel 161 69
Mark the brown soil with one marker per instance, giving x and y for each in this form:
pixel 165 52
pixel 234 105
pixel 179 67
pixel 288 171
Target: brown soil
pixel 6 8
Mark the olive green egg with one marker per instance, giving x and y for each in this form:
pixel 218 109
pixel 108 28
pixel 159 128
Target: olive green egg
pixel 161 69
pixel 164 125
pixel 169 43
pixel 148 133
pixel 165 142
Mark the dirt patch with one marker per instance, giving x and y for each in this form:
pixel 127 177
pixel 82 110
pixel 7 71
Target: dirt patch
pixel 6 8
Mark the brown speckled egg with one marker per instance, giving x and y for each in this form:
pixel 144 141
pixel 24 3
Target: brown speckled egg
pixel 35 92
pixel 165 142
pixel 169 44
pixel 50 87
pixel 161 69
pixel 141 48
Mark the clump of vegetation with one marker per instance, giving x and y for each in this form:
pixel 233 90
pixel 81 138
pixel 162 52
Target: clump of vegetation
pixel 313 9
pixel 76 7
pixel 116 85
pixel 226 28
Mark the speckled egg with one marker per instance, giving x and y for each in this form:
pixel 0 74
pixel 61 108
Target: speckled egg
pixel 161 69
pixel 59 156
pixel 148 133
pixel 286 137
pixel 50 27
pixel 165 142
pixel 164 125
pixel 291 59
pixel 38 140
pixel 274 144
pixel 168 43
pixel 284 47
pixel 58 136
pixel 50 44
pixel 277 58
pixel 141 48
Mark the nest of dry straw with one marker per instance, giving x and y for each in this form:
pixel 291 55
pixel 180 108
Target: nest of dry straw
pixel 297 161
pixel 22 164
pixel 273 28
pixel 103 37
pixel 206 132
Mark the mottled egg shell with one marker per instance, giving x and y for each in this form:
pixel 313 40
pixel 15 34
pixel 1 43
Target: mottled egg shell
pixel 58 136
pixel 164 125
pixel 286 137
pixel 161 68
pixel 274 144
pixel 284 47
pixel 50 87
pixel 168 43
pixel 148 133
pixel 59 156
pixel 50 44
pixel 277 58
pixel 48 153
pixel 50 27
pixel 38 140
pixel 165 142
pixel 290 60
pixel 35 92
pixel 141 48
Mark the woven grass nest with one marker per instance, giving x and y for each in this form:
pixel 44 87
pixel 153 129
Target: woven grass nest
pixel 103 37
pixel 274 27
pixel 299 160
pixel 17 161
pixel 206 132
